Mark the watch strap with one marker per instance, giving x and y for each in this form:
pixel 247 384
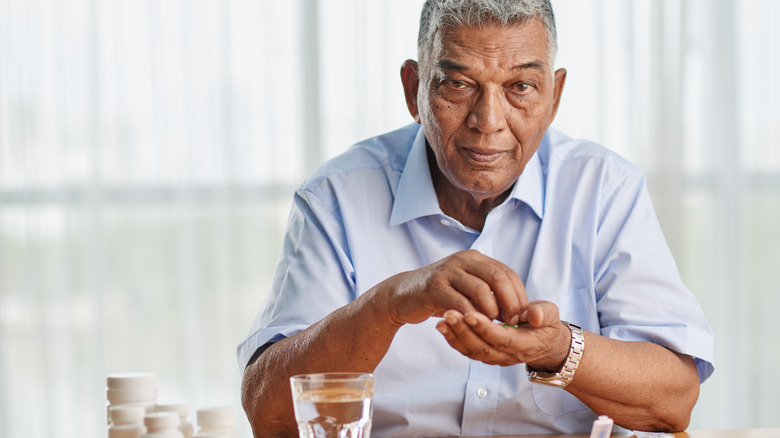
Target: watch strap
pixel 565 375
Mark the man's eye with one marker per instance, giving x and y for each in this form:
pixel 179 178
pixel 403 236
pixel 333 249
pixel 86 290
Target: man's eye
pixel 522 87
pixel 459 85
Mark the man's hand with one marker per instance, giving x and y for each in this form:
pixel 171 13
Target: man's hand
pixel 467 282
pixel 540 339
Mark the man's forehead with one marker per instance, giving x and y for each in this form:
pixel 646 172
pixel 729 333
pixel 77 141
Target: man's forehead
pixel 530 25
pixel 526 43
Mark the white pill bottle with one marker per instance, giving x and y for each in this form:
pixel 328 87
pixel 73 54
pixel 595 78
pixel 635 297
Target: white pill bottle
pixel 183 410
pixel 217 421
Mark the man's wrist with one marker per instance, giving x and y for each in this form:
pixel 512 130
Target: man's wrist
pixel 553 361
pixel 565 374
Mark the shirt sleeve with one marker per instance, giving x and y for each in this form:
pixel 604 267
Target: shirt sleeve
pixel 640 295
pixel 313 277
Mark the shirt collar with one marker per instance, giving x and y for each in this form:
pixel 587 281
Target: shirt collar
pixel 416 197
pixel 530 186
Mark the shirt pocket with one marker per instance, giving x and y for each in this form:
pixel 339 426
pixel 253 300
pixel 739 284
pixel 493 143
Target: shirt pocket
pixel 577 307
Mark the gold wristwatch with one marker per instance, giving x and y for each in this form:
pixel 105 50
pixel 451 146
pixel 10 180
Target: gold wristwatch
pixel 565 375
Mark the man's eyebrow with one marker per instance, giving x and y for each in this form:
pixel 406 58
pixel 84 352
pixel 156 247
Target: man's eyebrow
pixel 446 64
pixel 535 65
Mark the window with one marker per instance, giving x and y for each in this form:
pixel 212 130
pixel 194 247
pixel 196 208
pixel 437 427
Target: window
pixel 149 151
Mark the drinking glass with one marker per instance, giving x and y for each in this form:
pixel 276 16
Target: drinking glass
pixel 333 405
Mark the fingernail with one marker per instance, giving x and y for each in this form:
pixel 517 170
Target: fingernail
pixel 524 316
pixel 442 328
pixel 471 320
pixel 450 318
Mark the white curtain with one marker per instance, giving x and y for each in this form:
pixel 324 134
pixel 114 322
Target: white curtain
pixel 687 90
pixel 149 150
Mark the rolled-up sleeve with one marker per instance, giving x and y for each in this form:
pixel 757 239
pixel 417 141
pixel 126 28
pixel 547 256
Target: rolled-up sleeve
pixel 313 276
pixel 640 295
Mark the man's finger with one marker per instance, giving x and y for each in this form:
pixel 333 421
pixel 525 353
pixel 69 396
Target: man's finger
pixel 461 337
pixel 509 313
pixel 478 291
pixel 542 314
pixel 506 286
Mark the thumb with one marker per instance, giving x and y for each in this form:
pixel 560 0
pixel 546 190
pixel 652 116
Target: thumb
pixel 542 314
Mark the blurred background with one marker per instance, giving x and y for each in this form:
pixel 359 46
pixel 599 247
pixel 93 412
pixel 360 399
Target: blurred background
pixel 149 151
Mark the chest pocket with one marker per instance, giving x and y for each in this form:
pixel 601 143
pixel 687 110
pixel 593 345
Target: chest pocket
pixel 577 307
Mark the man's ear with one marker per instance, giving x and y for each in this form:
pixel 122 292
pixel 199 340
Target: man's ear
pixel 411 81
pixel 560 80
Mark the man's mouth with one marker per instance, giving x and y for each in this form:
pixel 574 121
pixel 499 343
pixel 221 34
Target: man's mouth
pixel 482 155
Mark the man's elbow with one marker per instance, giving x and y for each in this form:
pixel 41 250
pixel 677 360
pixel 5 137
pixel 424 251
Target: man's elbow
pixel 250 396
pixel 268 409
pixel 674 413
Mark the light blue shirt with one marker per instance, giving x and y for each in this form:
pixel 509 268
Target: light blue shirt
pixel 578 228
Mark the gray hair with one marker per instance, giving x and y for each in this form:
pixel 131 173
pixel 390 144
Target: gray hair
pixel 438 14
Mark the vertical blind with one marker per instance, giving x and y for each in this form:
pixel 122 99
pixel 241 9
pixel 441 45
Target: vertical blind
pixel 149 150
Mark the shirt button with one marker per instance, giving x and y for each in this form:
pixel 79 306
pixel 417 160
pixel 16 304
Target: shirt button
pixel 481 392
pixel 446 222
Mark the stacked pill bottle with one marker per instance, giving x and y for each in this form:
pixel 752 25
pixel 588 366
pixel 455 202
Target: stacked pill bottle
pixel 131 389
pixel 183 410
pixel 126 421
pixel 132 411
pixel 217 422
pixel 162 425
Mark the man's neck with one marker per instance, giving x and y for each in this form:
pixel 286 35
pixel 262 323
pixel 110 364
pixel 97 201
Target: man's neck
pixel 465 207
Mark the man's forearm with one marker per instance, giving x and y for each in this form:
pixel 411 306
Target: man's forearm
pixel 352 338
pixel 642 386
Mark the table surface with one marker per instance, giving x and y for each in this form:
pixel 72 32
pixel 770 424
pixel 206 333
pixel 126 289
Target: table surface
pixel 736 433
pixel 721 433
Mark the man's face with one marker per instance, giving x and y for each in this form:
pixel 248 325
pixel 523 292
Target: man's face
pixel 485 102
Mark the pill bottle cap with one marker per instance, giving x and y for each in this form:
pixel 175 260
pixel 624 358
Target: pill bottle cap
pixel 131 381
pixel 161 420
pixel 126 414
pixel 218 416
pixel 181 408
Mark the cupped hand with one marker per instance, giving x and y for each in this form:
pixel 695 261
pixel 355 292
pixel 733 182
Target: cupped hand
pixel 540 339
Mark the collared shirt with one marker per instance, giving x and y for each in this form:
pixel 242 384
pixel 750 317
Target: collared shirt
pixel 578 228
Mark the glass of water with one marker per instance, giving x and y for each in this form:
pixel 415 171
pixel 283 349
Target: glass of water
pixel 337 405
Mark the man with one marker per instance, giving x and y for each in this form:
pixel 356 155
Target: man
pixel 445 257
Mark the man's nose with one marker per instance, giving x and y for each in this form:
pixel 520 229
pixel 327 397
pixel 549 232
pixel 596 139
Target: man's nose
pixel 487 113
